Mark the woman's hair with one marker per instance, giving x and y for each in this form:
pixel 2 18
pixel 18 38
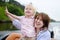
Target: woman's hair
pixel 45 19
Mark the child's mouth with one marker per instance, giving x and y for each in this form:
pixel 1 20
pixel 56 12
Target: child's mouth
pixel 27 12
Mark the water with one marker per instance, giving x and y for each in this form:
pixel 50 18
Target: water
pixel 6 26
pixel 5 33
pixel 54 26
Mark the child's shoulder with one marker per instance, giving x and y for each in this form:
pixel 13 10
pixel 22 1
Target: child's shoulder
pixel 21 16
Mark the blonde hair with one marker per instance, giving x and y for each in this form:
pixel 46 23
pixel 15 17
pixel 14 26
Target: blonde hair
pixel 30 5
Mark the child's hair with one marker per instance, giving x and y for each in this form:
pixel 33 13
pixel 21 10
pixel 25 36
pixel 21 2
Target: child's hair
pixel 45 19
pixel 30 4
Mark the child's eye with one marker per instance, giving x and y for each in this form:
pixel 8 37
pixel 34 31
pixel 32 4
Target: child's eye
pixel 26 8
pixel 30 9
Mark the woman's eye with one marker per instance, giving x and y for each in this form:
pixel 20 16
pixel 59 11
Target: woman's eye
pixel 40 19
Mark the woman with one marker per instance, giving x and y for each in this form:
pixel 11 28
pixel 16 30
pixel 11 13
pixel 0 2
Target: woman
pixel 41 26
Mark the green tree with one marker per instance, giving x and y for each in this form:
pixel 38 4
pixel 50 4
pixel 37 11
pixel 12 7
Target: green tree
pixel 15 10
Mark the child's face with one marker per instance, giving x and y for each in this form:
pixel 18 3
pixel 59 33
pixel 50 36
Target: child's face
pixel 29 10
pixel 38 22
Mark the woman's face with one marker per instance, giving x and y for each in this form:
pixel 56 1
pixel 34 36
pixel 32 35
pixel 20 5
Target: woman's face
pixel 29 10
pixel 38 22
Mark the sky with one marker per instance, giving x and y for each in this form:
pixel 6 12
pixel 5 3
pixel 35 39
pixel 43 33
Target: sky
pixel 51 7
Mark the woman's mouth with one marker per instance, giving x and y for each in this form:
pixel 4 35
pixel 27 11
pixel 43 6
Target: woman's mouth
pixel 38 24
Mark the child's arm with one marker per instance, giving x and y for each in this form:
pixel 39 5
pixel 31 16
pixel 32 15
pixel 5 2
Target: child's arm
pixel 10 14
pixel 11 18
pixel 15 22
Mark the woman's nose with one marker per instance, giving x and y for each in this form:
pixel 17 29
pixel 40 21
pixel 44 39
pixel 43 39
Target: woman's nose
pixel 38 21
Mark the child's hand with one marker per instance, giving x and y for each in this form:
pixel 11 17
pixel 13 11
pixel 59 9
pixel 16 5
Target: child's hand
pixel 6 10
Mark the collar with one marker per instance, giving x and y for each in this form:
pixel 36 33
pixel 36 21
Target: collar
pixel 30 17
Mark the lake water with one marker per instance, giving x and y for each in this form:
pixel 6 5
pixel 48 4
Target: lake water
pixel 54 26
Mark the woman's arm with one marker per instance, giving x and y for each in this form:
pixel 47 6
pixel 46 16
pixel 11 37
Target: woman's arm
pixel 10 14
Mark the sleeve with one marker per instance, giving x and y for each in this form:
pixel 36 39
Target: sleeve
pixel 44 36
pixel 16 23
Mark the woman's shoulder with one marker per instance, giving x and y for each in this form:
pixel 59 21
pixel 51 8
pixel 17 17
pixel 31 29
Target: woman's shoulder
pixel 46 33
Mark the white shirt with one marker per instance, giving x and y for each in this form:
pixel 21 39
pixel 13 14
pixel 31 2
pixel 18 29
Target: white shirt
pixel 44 35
